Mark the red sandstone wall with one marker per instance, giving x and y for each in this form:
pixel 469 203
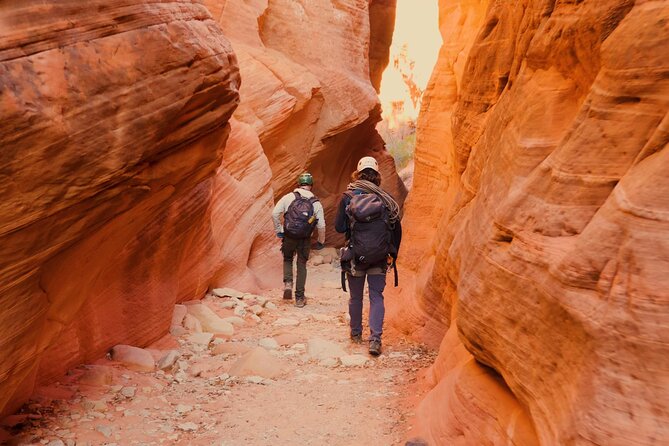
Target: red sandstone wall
pixel 543 160
pixel 113 121
pixel 307 93
pixel 120 194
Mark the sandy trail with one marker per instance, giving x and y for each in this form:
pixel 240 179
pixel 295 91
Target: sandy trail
pixel 314 400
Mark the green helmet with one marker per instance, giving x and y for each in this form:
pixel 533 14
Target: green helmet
pixel 305 179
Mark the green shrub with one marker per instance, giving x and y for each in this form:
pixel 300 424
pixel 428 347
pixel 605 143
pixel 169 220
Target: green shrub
pixel 402 150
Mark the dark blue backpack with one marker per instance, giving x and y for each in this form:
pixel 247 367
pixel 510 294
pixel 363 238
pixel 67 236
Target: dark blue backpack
pixel 299 220
pixel 371 231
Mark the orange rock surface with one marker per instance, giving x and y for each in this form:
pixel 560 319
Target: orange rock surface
pixel 306 90
pixel 120 193
pixel 539 225
pixel 113 117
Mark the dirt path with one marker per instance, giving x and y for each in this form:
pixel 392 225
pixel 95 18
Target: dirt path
pixel 306 385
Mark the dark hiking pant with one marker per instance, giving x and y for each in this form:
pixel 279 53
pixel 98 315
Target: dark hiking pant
pixel 356 284
pixel 290 247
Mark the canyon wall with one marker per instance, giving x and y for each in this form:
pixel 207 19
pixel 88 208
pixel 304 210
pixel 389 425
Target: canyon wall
pixel 113 119
pixel 538 226
pixel 129 185
pixel 307 93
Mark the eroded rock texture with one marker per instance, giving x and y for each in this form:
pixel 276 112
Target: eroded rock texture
pixel 120 193
pixel 113 117
pixel 307 93
pixel 541 179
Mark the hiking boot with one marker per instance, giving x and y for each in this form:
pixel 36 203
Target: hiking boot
pixel 356 338
pixel 374 347
pixel 288 291
pixel 300 301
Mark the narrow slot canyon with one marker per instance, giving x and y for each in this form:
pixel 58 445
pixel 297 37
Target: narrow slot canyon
pixel 146 143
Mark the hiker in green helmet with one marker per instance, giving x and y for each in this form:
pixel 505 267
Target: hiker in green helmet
pixel 302 212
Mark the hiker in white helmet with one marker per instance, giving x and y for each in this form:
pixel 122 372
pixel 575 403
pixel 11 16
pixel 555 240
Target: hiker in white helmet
pixel 370 218
pixel 302 212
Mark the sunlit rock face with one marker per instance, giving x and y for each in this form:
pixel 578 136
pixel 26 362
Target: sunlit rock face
pixel 306 91
pixel 539 225
pixel 113 119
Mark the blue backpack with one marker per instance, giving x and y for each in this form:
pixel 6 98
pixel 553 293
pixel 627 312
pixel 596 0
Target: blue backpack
pixel 371 231
pixel 299 220
pixel 371 238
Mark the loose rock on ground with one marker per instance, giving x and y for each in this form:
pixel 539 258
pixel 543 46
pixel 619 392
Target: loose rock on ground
pixel 210 388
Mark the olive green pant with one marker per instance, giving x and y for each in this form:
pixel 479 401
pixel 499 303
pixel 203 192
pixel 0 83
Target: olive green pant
pixel 290 247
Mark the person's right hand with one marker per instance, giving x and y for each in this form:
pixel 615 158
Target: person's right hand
pixel 279 234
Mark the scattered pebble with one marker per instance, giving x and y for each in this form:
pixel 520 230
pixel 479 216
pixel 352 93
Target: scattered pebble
pixel 257 310
pixel 353 360
pixel 183 409
pixel 239 311
pixel 200 338
pixel 104 430
pixel 286 322
pixel 180 377
pixel 168 360
pixel 128 392
pixel 329 362
pixel 187 427
pixel 268 343
pixel 255 379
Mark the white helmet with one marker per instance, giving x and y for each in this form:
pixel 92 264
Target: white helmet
pixel 368 162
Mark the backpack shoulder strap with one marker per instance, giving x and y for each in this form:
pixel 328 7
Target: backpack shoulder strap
pixel 297 195
pixel 314 200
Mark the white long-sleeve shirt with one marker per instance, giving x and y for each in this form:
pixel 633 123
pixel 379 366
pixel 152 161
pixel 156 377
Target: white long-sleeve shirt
pixel 285 201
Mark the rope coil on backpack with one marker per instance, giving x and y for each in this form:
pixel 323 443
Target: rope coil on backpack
pixel 391 204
